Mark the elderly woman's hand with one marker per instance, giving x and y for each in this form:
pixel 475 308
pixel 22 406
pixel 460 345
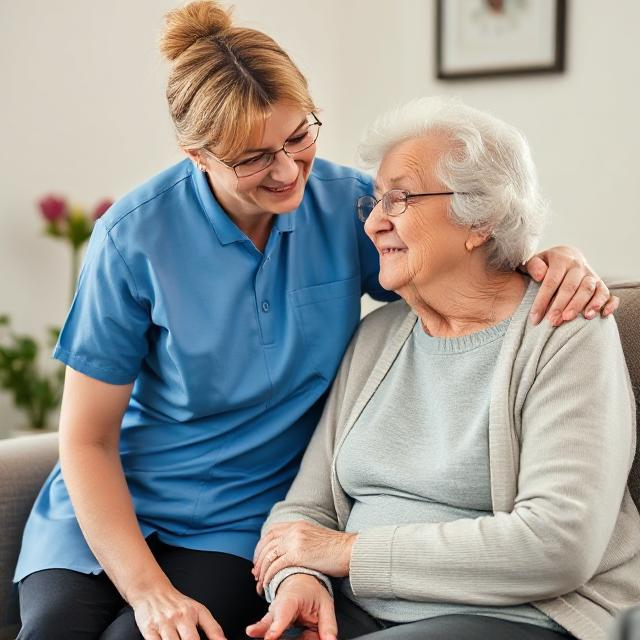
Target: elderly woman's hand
pixel 302 544
pixel 303 601
pixel 571 283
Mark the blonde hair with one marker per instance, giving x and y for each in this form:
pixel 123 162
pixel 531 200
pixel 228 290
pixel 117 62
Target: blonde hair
pixel 224 79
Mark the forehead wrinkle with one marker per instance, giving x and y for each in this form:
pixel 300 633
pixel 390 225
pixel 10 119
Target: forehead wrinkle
pixel 413 173
pixel 410 166
pixel 425 173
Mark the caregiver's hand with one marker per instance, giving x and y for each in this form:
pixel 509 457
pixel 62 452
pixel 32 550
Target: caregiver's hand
pixel 166 614
pixel 303 601
pixel 302 544
pixel 566 275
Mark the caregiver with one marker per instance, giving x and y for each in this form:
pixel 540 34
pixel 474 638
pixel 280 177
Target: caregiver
pixel 205 331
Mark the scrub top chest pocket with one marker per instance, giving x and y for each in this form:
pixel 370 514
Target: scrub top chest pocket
pixel 327 315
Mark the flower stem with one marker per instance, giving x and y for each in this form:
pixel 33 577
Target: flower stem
pixel 75 255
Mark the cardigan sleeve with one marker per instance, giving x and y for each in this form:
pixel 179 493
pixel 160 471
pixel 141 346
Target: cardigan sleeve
pixel 576 449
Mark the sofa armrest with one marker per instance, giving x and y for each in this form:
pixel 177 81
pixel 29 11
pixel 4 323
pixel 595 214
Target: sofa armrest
pixel 24 464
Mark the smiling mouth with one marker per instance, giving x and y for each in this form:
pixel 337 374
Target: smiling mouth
pixel 285 189
pixel 384 252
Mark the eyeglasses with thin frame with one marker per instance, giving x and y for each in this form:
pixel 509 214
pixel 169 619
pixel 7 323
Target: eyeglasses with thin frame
pixel 394 202
pixel 298 143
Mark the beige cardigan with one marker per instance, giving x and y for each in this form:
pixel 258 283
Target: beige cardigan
pixel 565 533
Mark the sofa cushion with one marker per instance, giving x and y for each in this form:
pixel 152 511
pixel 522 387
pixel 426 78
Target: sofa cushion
pixel 628 319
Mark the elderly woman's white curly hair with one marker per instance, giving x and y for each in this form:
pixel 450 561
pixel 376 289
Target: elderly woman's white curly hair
pixel 489 167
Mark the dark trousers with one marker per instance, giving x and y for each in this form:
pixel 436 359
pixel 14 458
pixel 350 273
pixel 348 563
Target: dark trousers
pixel 68 605
pixel 354 622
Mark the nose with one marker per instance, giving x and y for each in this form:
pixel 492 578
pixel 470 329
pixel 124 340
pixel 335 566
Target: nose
pixel 377 222
pixel 284 168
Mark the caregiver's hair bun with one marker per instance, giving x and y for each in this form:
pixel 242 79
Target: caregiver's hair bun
pixel 224 80
pixel 186 25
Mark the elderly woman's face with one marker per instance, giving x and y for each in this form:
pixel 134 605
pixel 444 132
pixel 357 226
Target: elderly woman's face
pixel 422 245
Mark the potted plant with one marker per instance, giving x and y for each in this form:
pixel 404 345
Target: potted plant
pixel 37 389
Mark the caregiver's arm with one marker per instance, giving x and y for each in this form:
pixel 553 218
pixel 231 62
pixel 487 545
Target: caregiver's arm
pixel 90 421
pixel 577 446
pixel 569 287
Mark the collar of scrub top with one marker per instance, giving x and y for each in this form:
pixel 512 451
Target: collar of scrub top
pixel 224 227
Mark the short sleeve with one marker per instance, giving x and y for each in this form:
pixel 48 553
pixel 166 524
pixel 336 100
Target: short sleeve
pixel 105 333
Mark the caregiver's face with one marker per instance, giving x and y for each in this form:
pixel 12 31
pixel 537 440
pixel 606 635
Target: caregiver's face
pixel 279 187
pixel 422 244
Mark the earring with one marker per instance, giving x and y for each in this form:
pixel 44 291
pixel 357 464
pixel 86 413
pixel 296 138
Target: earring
pixel 199 166
pixel 469 246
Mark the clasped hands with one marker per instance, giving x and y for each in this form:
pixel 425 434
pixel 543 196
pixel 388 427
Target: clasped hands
pixel 301 599
pixel 302 544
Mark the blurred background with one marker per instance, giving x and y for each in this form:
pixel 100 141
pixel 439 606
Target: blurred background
pixel 83 115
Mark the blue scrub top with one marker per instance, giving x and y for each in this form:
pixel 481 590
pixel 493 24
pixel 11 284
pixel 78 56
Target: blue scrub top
pixel 231 351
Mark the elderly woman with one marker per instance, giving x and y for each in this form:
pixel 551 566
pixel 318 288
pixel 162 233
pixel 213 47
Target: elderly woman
pixel 468 476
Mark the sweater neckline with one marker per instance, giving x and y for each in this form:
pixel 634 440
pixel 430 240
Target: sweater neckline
pixel 469 342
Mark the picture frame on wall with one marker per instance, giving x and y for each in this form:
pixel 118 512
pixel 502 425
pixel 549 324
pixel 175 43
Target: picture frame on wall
pixel 484 38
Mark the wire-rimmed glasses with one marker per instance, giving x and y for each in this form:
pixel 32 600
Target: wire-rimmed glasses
pixel 394 202
pixel 298 143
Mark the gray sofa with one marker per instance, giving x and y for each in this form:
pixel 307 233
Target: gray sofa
pixel 26 461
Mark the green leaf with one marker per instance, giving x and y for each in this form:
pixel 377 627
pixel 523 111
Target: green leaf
pixel 27 348
pixel 35 392
pixel 53 230
pixel 78 230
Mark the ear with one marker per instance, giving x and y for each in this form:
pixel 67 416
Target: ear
pixel 477 238
pixel 196 158
pixel 193 155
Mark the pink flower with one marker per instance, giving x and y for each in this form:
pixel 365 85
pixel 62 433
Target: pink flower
pixel 101 208
pixel 52 208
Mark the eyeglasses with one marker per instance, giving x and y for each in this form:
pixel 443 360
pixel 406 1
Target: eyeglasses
pixel 297 144
pixel 394 202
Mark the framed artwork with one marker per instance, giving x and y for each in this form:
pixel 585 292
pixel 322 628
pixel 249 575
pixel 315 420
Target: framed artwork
pixel 481 38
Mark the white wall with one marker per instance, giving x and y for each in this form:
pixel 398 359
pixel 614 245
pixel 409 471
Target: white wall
pixel 82 113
